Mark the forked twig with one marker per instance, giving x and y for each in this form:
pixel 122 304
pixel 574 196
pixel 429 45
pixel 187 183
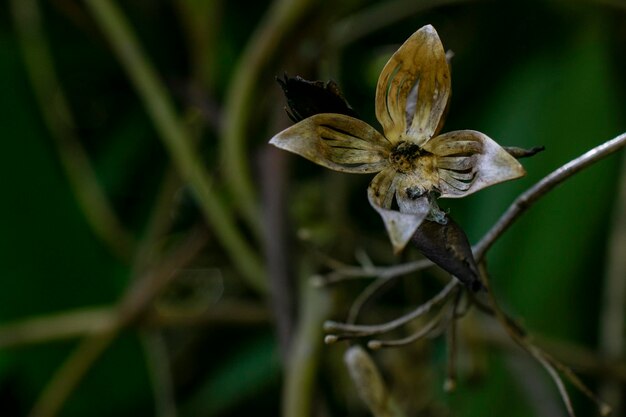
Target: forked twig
pixel 438 322
pixel 354 330
pixel 555 368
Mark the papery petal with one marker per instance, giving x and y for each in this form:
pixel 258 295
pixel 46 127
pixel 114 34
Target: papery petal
pixel 336 141
pixel 418 67
pixel 400 225
pixel 468 161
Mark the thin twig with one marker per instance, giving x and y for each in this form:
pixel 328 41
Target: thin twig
pixel 555 377
pixel 422 332
pixel 424 308
pixel 533 194
pixel 177 140
pixel 368 292
pixel 346 273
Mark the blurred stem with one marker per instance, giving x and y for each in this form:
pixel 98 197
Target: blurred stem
pixel 96 320
pixel 71 372
pixel 281 18
pixel 158 363
pixel 176 139
pixel 59 120
pixel 611 336
pixel 274 184
pixel 304 355
pixel 379 16
pixel 135 301
pixel 56 326
pixel 201 21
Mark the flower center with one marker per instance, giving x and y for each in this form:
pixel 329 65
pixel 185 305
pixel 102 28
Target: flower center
pixel 408 157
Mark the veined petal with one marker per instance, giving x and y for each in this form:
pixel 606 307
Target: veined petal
pixel 336 141
pixel 468 161
pixel 400 225
pixel 418 68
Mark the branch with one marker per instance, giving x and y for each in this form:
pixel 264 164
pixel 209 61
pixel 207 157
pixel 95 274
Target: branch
pixel 530 197
pixel 355 330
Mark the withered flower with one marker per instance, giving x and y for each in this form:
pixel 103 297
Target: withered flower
pixel 415 163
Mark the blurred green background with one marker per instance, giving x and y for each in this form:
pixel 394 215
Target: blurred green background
pixel 99 193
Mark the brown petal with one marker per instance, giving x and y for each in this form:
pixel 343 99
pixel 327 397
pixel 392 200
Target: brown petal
pixel 400 225
pixel 420 67
pixel 478 163
pixel 336 141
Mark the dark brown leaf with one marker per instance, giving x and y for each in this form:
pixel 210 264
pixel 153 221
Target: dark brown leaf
pixel 308 98
pixel 447 246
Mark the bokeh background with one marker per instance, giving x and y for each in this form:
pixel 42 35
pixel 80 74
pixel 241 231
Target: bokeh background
pixel 156 254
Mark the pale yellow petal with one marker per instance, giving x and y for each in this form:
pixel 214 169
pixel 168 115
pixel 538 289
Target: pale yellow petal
pixel 418 68
pixel 338 142
pixel 468 161
pixel 400 226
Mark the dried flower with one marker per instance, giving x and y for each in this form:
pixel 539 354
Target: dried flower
pixel 415 164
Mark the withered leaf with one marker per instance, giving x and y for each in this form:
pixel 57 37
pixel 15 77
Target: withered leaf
pixel 307 98
pixel 447 246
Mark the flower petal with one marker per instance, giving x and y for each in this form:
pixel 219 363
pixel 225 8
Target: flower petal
pixel 418 68
pixel 336 141
pixel 468 161
pixel 400 225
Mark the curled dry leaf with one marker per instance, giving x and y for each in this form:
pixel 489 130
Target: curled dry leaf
pixel 447 246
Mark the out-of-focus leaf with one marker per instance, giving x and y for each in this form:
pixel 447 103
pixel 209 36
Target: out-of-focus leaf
pixel 552 256
pixel 245 374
